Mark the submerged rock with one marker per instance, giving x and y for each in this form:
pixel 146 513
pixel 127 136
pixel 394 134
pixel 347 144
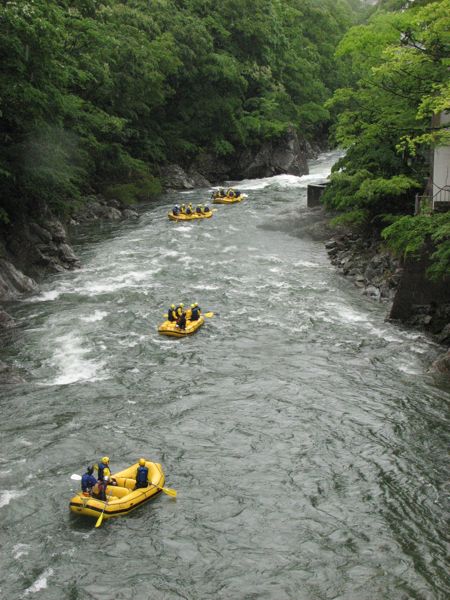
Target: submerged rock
pixel 442 364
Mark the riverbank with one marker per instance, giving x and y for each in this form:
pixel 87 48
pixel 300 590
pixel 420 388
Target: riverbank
pixel 410 297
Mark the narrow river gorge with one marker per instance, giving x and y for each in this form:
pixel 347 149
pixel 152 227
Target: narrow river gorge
pixel 307 443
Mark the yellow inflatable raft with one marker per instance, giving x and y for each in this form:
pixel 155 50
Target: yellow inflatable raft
pixel 228 199
pixel 192 217
pixel 170 328
pixel 121 498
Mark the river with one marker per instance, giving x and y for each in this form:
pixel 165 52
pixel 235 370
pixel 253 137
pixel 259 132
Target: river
pixel 307 443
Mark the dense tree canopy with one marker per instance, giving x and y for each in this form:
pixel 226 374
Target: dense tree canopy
pixel 95 93
pixel 399 65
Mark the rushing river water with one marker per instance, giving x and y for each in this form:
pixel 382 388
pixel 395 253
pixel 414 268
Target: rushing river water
pixel 308 446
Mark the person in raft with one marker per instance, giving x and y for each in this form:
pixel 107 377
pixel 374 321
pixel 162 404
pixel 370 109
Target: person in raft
pixel 181 323
pixel 172 314
pixel 179 309
pixel 102 467
pixel 195 312
pixel 142 474
pixel 176 210
pixel 88 481
pixel 99 491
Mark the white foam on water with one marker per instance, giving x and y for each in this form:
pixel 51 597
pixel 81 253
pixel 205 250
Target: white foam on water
pixel 46 296
pixel 98 315
pixel 70 360
pixel 347 314
pixel 20 550
pixel 306 263
pixel 7 495
pixel 40 583
pixel 205 287
pixel 228 249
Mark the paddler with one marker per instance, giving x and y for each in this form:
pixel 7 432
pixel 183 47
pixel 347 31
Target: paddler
pixel 172 314
pixel 88 481
pixel 142 474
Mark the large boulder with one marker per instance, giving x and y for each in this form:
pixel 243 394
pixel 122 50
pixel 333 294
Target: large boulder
pixel 174 177
pixel 286 155
pixel 13 283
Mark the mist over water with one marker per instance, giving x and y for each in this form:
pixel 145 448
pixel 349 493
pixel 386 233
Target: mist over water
pixel 307 443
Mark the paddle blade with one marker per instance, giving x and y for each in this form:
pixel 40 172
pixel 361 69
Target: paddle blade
pixel 208 314
pixel 75 477
pixel 100 520
pixel 165 315
pixel 170 492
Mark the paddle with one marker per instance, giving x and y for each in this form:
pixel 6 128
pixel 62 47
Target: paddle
pixel 100 519
pixel 167 491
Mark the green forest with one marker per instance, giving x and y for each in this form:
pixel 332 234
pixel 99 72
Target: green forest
pixel 398 67
pixel 95 95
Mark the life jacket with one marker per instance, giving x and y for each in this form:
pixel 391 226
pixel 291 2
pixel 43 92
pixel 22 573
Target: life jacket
pixel 171 315
pixel 182 321
pixel 198 210
pixel 183 209
pixel 195 314
pixel 141 476
pixel 206 209
pixel 178 311
pixel 230 193
pixel 101 468
pixel 188 211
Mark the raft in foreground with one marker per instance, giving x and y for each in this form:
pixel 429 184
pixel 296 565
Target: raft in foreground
pixel 122 498
pixel 170 328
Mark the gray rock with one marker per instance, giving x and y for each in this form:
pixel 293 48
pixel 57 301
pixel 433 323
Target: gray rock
pixel 6 321
pixel 372 292
pixel 198 180
pixel 13 283
pixel 67 254
pixel 286 155
pixel 57 230
pixel 444 336
pixel 40 232
pixel 442 364
pixel 174 177
pixel 128 213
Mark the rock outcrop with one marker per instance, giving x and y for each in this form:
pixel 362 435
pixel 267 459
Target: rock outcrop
pixel 288 155
pixel 371 268
pixel 97 208
pixel 442 364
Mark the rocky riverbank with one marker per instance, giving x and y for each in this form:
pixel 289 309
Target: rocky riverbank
pixel 411 297
pixel 39 244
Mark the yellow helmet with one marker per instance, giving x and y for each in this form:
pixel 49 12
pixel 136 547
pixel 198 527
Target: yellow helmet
pixel 142 462
pixel 195 303
pixel 192 305
pixel 105 460
pixel 181 304
pixel 172 306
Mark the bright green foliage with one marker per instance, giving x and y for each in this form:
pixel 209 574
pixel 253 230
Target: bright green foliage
pixel 399 64
pixel 408 235
pixel 95 94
